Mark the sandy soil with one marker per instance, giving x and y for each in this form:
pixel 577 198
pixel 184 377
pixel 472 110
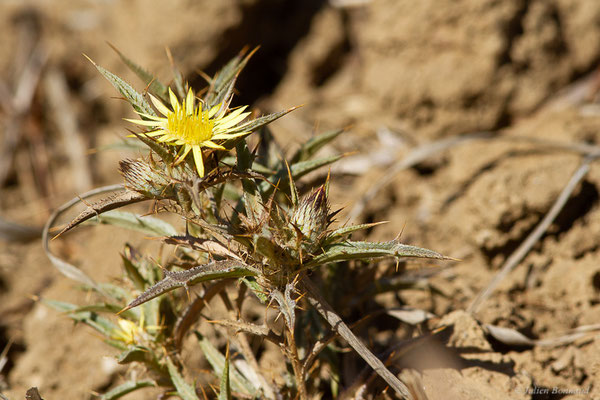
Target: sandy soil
pixel 400 75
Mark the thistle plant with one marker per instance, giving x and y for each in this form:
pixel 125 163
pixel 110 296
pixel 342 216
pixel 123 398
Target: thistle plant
pixel 247 227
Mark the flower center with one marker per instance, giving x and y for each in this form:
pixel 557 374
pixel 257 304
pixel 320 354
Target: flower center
pixel 194 128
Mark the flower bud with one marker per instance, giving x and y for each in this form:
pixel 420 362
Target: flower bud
pixel 139 176
pixel 311 216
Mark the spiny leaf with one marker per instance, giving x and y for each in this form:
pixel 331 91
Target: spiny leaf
pixel 297 170
pixel 304 167
pixel 137 101
pixel 287 306
pixel 184 390
pixel 293 190
pixel 256 288
pixel 180 86
pixel 132 270
pixel 104 308
pixel 256 167
pixel 217 361
pixel 155 86
pixel 192 276
pixel 308 149
pixel 126 388
pixel 343 232
pixel 145 224
pixel 225 387
pixel 167 154
pixel 102 325
pixel 257 123
pixel 222 84
pixel 115 201
pixel 350 250
pixel 142 355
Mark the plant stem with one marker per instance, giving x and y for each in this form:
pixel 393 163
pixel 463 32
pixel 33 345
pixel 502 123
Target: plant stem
pixel 321 305
pixel 296 364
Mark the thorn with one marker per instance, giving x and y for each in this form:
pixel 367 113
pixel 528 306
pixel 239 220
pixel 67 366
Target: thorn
pixel 401 231
pixel 128 307
pixel 89 59
pixel 148 86
pixel 187 290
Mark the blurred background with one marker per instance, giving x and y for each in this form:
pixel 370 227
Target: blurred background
pixel 401 76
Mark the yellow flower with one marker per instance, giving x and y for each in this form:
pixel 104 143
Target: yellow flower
pixel 190 126
pixel 128 331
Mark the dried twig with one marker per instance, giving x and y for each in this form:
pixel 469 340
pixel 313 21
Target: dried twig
pixel 321 305
pixel 534 236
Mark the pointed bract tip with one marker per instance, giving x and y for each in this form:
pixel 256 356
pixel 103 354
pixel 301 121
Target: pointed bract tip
pixel 89 59
pixel 128 307
pixel 113 47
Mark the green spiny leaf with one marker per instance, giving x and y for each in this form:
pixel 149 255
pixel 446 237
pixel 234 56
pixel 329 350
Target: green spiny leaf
pixel 167 154
pixel 257 123
pixel 155 86
pixel 184 390
pixel 222 84
pixel 225 387
pixel 255 288
pixel 132 270
pixel 217 361
pixel 308 149
pixel 102 325
pixel 350 250
pixel 126 388
pixel 304 167
pixel 105 308
pixel 139 354
pixel 297 170
pixel 192 276
pixel 137 101
pixel 256 167
pixel 343 232
pixel 145 224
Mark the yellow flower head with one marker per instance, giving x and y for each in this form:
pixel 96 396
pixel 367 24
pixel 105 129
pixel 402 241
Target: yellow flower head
pixel 190 126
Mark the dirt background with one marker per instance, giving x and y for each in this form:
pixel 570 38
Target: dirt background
pixel 400 75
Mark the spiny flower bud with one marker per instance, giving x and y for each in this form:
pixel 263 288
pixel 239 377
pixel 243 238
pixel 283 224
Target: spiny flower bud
pixel 142 178
pixel 311 216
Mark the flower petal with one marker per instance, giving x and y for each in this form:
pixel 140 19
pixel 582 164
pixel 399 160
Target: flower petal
pixel 160 106
pixel 189 102
pixel 226 136
pixel 213 110
pixel 212 145
pixel 141 122
pixel 198 160
pixel 174 101
pixel 185 150
pixel 231 123
pixel 232 115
